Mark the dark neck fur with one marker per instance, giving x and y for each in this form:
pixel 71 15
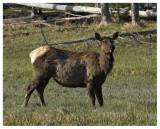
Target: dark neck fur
pixel 106 62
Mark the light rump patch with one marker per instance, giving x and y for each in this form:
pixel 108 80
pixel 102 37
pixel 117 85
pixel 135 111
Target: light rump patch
pixel 38 52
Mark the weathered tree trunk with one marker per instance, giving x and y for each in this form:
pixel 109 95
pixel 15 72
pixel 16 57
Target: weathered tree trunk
pixel 135 14
pixel 106 18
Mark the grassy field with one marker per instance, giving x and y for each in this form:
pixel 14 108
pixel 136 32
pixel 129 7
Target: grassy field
pixel 130 91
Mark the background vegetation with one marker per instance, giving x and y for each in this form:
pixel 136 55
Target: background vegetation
pixel 130 91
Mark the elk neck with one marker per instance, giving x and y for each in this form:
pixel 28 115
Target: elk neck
pixel 106 61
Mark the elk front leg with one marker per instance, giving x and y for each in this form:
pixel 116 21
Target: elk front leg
pixel 90 89
pixel 98 92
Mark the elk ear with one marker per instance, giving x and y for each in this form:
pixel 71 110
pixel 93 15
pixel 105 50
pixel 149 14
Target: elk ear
pixel 115 36
pixel 98 36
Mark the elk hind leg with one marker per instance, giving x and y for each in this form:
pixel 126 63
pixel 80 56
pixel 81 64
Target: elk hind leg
pixel 40 91
pixel 30 90
pixel 36 82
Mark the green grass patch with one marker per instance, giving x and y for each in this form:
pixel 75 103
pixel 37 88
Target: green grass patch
pixel 130 91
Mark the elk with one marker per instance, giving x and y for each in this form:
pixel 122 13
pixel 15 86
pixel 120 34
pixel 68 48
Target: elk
pixel 72 69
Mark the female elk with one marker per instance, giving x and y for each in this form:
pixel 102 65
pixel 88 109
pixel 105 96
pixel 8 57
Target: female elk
pixel 72 69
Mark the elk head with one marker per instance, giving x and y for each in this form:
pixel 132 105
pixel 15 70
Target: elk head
pixel 107 42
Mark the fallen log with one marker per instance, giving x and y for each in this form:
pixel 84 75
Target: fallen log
pixel 27 19
pixel 146 14
pixel 83 9
pixel 120 35
pixel 77 18
pixel 52 13
pixel 71 14
pixel 142 14
pixel 71 19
